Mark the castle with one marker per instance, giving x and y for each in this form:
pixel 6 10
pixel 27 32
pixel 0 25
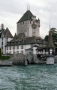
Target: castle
pixel 27 38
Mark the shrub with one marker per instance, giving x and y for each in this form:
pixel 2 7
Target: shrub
pixel 5 57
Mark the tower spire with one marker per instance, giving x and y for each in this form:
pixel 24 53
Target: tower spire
pixel 28 7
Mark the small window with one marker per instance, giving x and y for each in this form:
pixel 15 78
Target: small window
pixel 23 22
pixel 2 43
pixel 22 52
pixel 21 46
pixel 17 52
pixel 13 47
pixel 10 47
pixel 30 22
pixel 7 48
pixel 13 52
pixel 17 47
pixel 2 38
pixel 20 23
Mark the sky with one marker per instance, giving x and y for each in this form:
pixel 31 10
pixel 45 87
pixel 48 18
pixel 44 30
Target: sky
pixel 12 10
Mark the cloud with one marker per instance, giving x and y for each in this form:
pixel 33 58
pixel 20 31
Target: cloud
pixel 12 10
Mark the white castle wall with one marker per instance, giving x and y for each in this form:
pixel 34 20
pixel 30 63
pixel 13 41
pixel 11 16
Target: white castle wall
pixel 17 50
pixel 26 27
pixel 4 43
pixel 23 27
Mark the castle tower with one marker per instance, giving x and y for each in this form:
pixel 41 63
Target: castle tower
pixel 28 24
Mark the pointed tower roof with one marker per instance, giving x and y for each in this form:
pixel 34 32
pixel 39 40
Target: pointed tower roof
pixel 27 16
pixel 50 43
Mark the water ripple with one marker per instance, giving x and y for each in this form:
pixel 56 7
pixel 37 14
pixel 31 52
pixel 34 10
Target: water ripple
pixel 32 77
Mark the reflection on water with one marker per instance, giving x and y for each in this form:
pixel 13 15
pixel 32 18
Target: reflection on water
pixel 32 77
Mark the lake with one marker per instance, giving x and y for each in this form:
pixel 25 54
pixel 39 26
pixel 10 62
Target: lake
pixel 32 77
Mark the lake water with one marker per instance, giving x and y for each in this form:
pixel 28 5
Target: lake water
pixel 32 77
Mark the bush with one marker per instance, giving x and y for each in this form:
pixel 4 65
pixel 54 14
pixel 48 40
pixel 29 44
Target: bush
pixel 5 57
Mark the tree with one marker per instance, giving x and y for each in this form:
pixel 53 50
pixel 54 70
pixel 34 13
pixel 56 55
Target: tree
pixel 53 30
pixel 46 38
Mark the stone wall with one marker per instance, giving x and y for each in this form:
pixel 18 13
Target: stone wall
pixel 21 59
pixel 29 58
pixel 23 27
pixel 18 59
pixel 5 63
pixel 55 59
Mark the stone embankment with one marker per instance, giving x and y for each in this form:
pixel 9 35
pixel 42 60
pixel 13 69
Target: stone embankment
pixel 5 63
pixel 18 59
pixel 55 59
pixel 21 59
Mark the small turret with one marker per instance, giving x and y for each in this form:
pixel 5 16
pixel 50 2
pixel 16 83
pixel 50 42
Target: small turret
pixel 50 41
pixel 38 22
pixel 15 35
pixel 2 26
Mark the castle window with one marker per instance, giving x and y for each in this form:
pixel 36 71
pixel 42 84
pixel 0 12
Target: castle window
pixel 17 52
pixel 21 46
pixel 17 47
pixel 22 52
pixel 2 43
pixel 2 38
pixel 30 22
pixel 7 48
pixel 23 22
pixel 13 51
pixel 13 47
pixel 10 47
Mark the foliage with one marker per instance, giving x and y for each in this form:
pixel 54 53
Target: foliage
pixel 5 57
pixel 53 30
pixel 46 38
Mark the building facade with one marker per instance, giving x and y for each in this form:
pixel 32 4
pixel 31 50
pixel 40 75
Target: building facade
pixel 23 45
pixel 5 36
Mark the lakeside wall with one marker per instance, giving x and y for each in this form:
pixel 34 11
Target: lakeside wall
pixel 21 59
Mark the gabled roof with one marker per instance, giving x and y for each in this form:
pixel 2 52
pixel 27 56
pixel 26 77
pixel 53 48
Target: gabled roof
pixel 19 36
pixel 25 41
pixel 8 33
pixel 27 16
